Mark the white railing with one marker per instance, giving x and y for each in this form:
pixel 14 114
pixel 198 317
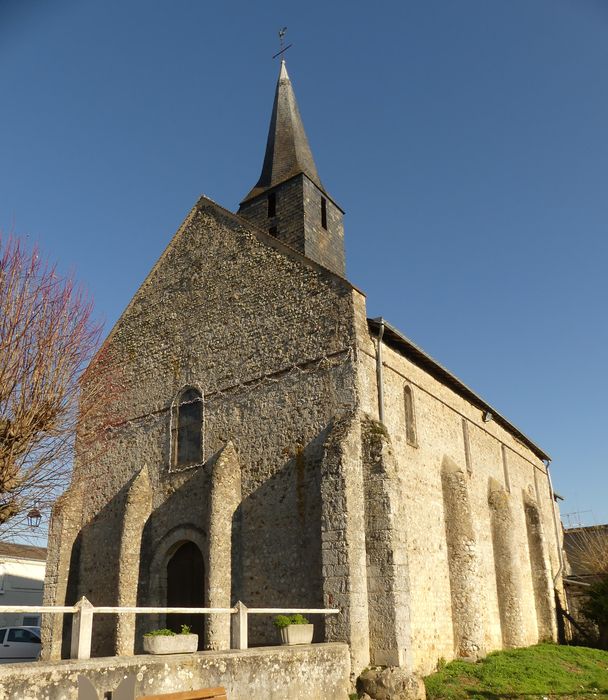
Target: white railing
pixel 83 611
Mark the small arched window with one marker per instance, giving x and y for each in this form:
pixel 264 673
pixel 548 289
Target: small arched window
pixel 410 416
pixel 188 428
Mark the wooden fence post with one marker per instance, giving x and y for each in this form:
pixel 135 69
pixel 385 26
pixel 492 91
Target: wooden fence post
pixel 82 629
pixel 239 627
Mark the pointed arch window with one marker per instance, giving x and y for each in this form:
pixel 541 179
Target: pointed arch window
pixel 188 428
pixel 410 416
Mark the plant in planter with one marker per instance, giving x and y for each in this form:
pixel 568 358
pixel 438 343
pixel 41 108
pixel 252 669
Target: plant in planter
pixel 294 629
pixel 165 641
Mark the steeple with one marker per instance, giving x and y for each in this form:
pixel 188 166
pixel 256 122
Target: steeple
pixel 289 200
pixel 287 150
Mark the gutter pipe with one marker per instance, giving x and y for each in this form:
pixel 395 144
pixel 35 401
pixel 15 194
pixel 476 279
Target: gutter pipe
pixel 557 538
pixel 573 582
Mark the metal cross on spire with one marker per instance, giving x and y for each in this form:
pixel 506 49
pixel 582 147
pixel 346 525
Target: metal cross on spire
pixel 284 48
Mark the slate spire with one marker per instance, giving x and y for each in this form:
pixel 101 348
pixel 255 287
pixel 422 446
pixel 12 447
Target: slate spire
pixel 287 150
pixel 289 201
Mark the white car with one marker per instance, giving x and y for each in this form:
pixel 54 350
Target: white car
pixel 19 644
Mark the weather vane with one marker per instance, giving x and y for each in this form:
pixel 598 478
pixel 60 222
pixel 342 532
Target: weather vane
pixel 284 48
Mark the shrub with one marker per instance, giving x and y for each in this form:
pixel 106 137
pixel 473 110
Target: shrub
pixel 164 632
pixel 281 621
pixel 595 609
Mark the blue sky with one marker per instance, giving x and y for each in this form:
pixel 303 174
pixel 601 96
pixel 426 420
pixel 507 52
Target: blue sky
pixel 465 140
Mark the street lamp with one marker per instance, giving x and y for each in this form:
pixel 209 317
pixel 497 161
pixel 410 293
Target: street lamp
pixel 34 517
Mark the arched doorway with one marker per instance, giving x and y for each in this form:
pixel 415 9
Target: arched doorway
pixel 185 588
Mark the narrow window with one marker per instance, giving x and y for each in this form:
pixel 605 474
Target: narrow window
pixel 324 213
pixel 272 230
pixel 410 418
pixel 188 448
pixel 505 467
pixel 467 445
pixel 536 486
pixel 272 204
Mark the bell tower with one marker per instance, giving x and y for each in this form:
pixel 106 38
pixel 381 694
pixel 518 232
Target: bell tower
pixel 289 200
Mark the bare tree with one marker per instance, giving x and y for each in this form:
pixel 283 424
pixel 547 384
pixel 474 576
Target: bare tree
pixel 587 550
pixel 47 337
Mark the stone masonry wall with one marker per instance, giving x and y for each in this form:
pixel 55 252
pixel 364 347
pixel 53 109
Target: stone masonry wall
pixel 439 414
pixel 319 505
pixel 268 338
pixel 307 672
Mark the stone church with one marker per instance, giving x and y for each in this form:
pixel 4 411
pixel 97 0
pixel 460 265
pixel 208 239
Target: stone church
pixel 247 433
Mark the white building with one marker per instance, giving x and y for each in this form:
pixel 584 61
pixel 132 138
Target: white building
pixel 22 569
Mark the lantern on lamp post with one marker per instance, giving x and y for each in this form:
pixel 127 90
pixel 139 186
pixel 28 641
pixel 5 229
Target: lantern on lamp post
pixel 34 517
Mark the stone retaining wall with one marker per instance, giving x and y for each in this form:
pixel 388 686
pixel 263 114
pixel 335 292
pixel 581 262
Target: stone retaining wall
pixel 306 672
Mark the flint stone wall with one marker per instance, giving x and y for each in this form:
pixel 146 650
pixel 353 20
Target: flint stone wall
pixel 307 672
pixel 268 337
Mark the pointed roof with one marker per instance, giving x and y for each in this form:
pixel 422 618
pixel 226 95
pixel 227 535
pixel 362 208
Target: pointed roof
pixel 287 150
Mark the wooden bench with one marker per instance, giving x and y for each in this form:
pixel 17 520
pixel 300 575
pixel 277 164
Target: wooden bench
pixel 205 694
pixel 126 691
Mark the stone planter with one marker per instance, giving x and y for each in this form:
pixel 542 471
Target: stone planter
pixel 297 634
pixel 170 644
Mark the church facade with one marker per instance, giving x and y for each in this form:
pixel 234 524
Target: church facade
pixel 249 434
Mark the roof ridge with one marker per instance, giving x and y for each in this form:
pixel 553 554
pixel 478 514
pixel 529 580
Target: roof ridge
pixel 22 551
pixel 423 359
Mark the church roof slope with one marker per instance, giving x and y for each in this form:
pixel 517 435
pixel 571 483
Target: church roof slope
pixel 409 349
pixel 287 150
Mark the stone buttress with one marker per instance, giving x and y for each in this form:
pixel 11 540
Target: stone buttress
pixel 507 565
pixel 64 542
pixel 463 562
pixel 138 507
pixel 388 589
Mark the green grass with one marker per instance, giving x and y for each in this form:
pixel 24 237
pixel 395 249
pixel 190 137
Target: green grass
pixel 543 671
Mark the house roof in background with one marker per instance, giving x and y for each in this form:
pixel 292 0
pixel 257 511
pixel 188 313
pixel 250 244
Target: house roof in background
pixel 22 551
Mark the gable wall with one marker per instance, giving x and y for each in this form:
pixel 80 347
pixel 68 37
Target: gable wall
pixel 439 413
pixel 268 338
